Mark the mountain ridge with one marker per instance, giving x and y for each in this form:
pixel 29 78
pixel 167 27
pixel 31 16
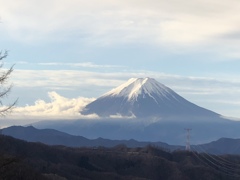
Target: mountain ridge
pixel 54 137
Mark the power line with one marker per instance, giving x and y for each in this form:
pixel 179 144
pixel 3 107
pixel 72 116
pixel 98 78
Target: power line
pixel 212 164
pixel 219 158
pixel 215 162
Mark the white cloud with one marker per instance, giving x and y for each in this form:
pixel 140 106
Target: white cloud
pixel 63 78
pixel 84 65
pixel 67 79
pixel 58 108
pixel 119 116
pixel 169 23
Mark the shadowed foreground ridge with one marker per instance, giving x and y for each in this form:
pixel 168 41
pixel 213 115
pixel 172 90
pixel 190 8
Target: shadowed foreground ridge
pixel 22 160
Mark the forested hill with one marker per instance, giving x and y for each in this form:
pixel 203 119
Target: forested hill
pixel 24 160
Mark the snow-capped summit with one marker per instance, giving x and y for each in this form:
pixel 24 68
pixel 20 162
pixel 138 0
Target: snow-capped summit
pixel 137 86
pixel 144 97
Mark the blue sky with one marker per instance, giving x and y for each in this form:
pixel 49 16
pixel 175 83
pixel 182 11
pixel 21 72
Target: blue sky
pixel 69 51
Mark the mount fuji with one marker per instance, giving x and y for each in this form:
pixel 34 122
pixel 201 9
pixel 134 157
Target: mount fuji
pixel 142 98
pixel 156 113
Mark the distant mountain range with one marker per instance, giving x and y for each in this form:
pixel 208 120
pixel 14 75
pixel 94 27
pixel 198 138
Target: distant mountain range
pixel 142 98
pixel 53 137
pixel 221 146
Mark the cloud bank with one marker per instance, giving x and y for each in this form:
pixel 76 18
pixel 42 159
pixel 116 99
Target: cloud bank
pixel 171 24
pixel 59 107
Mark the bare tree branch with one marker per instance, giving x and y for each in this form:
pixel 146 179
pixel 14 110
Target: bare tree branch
pixel 6 110
pixel 4 91
pixel 5 75
pixel 3 55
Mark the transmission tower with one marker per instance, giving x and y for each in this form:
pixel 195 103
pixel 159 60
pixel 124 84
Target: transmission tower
pixel 188 139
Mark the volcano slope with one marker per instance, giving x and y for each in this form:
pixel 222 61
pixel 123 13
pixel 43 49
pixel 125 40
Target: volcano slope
pixel 145 98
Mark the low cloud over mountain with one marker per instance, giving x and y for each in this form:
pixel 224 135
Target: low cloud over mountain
pixel 58 107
